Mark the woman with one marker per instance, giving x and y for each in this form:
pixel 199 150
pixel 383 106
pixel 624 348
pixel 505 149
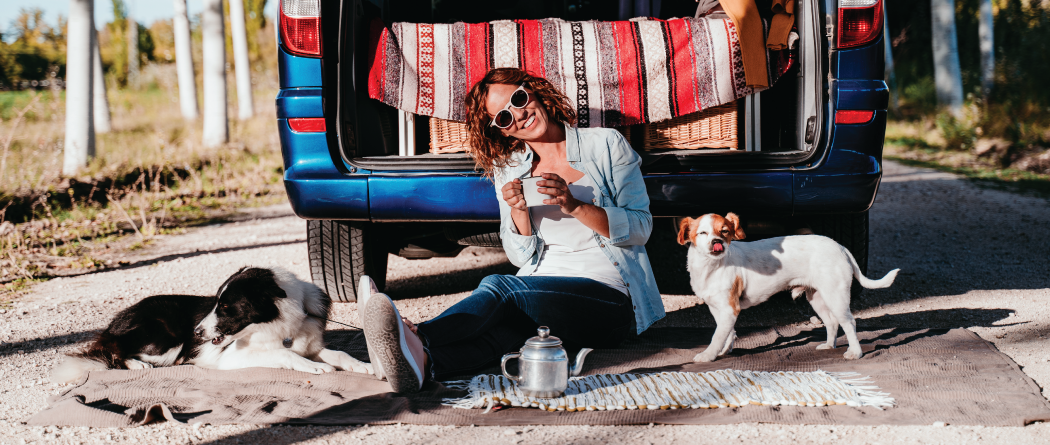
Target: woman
pixel 584 270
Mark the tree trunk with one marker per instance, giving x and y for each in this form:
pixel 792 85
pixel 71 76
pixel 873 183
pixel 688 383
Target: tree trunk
pixel 240 58
pixel 184 63
pixel 133 51
pixel 80 126
pixel 100 101
pixel 213 30
pixel 891 76
pixel 985 33
pixel 946 73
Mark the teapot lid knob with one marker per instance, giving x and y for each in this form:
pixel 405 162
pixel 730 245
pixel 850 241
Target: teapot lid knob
pixel 543 332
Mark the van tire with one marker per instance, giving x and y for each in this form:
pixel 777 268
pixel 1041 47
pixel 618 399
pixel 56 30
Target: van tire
pixel 851 231
pixel 343 251
pixel 482 240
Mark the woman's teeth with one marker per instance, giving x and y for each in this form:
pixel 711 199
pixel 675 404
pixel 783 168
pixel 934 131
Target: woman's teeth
pixel 529 122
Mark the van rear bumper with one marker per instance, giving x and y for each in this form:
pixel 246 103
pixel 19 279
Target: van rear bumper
pixel 844 180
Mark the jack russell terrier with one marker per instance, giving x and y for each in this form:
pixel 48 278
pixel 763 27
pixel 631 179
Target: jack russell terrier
pixel 731 276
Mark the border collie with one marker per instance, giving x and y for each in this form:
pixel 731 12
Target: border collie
pixel 259 318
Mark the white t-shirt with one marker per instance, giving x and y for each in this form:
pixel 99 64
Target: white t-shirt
pixel 570 249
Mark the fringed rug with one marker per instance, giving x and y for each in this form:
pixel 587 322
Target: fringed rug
pixel 727 388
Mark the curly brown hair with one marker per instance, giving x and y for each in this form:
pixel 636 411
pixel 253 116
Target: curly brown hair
pixel 489 147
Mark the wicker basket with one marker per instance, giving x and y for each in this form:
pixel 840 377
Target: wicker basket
pixel 711 128
pixel 448 136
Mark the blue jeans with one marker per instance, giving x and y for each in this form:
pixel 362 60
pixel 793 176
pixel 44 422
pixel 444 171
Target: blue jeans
pixel 505 310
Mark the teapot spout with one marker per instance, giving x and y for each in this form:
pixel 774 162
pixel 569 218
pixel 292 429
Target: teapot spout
pixel 578 366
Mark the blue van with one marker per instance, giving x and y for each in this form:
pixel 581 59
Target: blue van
pixel 810 154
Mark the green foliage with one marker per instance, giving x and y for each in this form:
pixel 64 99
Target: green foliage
pixel 146 45
pixel 120 10
pixel 958 134
pixel 1017 109
pixel 254 22
pixel 38 51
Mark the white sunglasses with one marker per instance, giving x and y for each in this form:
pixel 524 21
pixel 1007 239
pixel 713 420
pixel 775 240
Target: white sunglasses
pixel 504 118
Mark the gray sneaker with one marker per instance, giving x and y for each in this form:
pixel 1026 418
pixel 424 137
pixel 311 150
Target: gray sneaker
pixel 400 357
pixel 365 289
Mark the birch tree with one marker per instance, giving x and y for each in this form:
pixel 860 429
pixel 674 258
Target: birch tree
pixel 184 62
pixel 987 38
pixel 213 30
pixel 240 59
pixel 946 73
pixel 133 49
pixel 100 103
pixel 80 127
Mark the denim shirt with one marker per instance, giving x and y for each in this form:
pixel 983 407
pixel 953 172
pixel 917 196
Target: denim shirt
pixel 606 157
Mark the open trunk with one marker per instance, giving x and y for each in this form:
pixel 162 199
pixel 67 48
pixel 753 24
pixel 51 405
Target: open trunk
pixel 776 128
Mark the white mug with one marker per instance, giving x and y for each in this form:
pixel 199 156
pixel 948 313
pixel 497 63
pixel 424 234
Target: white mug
pixel 531 193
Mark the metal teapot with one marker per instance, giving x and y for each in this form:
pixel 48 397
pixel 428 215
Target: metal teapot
pixel 543 366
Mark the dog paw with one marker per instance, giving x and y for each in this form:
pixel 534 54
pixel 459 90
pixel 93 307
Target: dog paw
pixel 853 355
pixel 359 367
pixel 823 346
pixel 316 368
pixel 137 364
pixel 704 357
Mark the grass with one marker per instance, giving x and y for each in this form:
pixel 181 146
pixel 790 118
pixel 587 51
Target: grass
pixel 919 144
pixel 150 177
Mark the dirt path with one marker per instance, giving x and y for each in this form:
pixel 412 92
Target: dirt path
pixel 970 257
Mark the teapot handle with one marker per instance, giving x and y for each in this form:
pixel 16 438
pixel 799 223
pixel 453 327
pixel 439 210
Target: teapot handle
pixel 503 365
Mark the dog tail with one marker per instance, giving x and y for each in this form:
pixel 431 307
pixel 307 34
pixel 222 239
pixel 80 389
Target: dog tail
pixel 76 365
pixel 868 283
pixel 74 368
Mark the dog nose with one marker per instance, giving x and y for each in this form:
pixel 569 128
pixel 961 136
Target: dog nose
pixel 199 332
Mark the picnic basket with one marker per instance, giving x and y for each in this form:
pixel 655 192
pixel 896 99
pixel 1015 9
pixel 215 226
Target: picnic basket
pixel 448 136
pixel 451 137
pixel 715 127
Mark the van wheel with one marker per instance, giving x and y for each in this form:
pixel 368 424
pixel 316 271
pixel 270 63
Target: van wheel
pixel 341 252
pixel 850 230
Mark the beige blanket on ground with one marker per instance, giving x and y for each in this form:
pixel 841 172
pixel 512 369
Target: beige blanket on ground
pixel 934 375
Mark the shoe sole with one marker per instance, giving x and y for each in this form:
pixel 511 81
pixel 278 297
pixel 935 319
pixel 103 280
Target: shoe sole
pixel 364 290
pixel 383 330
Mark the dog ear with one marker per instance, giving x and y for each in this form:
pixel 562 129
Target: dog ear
pixel 683 230
pixel 737 231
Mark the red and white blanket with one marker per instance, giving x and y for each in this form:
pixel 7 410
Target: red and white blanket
pixel 618 73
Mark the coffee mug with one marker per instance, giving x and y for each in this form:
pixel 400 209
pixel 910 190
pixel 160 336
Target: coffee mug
pixel 531 192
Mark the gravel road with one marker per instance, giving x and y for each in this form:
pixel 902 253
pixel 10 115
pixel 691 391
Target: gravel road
pixel 970 257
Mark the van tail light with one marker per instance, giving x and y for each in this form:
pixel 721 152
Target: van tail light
pixel 301 27
pixel 307 124
pixel 860 22
pixel 851 117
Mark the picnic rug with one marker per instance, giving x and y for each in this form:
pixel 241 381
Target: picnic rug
pixel 616 73
pixel 933 375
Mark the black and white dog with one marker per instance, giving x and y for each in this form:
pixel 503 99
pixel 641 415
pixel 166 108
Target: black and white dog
pixel 259 318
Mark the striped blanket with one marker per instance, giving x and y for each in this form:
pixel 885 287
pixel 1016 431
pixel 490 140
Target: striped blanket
pixel 618 73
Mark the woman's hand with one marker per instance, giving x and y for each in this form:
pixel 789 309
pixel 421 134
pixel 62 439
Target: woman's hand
pixel 512 194
pixel 555 186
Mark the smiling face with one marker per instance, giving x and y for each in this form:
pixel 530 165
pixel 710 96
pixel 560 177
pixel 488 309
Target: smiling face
pixel 711 233
pixel 246 298
pixel 530 122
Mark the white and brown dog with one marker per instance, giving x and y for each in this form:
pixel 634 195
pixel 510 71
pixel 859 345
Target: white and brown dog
pixel 731 276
